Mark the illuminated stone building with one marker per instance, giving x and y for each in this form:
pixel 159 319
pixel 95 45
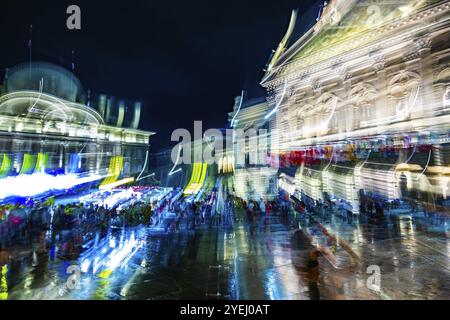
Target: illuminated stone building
pixel 45 127
pixel 362 102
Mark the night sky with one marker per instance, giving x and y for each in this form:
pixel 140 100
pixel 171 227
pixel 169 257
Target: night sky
pixel 185 60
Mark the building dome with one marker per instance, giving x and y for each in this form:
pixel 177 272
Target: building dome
pixel 51 79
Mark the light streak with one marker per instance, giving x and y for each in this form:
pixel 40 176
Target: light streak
pixel 6 166
pixel 39 183
pixel 41 162
pixel 143 167
pixel 27 164
pixel 283 43
pixel 410 157
pixel 147 176
pixel 3 282
pixel 239 108
pixel 171 172
pixel 115 184
pixel 197 179
pixel 114 170
pixel 426 166
pixel 41 88
pixel 106 257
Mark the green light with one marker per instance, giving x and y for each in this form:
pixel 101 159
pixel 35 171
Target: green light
pixel 41 162
pixel 121 114
pixel 6 166
pixel 27 164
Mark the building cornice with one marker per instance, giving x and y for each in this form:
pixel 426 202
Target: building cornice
pixel 361 44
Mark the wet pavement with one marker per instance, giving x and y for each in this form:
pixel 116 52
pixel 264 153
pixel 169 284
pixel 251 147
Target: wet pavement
pixel 263 261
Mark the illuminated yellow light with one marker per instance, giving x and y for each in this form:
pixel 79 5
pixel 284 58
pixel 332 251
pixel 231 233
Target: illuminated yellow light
pixel 41 162
pixel 202 178
pixel 6 166
pixel 27 164
pixel 197 179
pixel 3 283
pixel 194 173
pixel 114 170
pixel 439 170
pixel 115 184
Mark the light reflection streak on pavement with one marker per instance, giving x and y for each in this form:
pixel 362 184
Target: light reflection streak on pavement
pixel 267 263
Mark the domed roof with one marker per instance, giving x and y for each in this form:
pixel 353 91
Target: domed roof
pixel 35 105
pixel 46 77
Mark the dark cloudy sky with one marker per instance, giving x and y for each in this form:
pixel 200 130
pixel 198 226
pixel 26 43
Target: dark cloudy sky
pixel 186 60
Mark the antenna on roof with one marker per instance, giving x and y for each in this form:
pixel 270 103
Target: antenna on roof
pixel 72 68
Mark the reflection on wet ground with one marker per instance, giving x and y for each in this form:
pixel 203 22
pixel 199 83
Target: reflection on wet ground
pixel 263 261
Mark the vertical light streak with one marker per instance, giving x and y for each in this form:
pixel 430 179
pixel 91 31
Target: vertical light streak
pixel 143 167
pixel 279 101
pixel 171 172
pixel 239 108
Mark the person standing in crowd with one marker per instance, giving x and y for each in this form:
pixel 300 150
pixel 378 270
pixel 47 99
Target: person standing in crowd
pixel 250 217
pixel 57 223
pixel 262 209
pixel 262 206
pixel 268 208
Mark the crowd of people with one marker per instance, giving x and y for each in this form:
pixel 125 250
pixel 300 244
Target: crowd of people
pixel 187 213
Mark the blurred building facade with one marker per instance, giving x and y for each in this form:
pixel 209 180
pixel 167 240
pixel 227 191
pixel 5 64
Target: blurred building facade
pixel 362 103
pixel 253 175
